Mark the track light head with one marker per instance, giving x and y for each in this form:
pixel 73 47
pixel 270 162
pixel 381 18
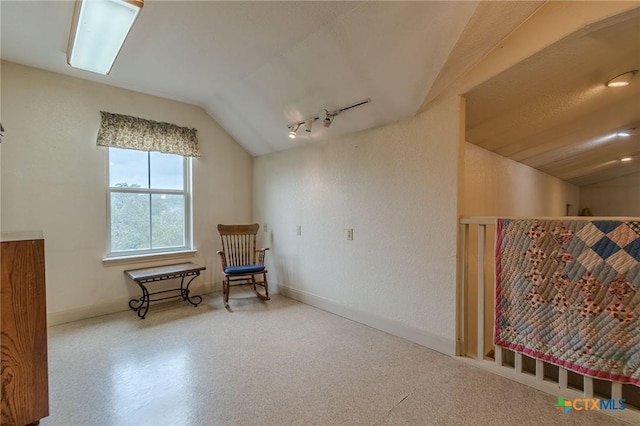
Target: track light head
pixel 328 116
pixel 294 130
pixel 308 125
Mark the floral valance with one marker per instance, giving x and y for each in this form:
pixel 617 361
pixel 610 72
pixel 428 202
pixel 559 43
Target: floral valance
pixel 125 131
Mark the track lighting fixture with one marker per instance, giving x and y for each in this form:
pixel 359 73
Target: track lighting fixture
pixel 325 116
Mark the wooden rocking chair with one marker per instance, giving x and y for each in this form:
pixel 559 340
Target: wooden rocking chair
pixel 241 261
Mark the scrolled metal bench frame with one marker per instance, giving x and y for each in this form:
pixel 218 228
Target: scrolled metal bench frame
pixel 162 273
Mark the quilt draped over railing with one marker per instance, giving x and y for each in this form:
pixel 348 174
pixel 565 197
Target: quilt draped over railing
pixel 568 293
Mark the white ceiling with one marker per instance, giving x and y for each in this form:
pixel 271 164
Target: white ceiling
pixel 256 67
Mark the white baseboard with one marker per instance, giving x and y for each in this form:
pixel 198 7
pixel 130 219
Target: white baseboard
pixel 395 328
pixel 110 307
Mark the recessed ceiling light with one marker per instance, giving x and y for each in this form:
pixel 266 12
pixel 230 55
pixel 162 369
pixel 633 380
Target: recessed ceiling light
pixel 626 159
pixel 622 79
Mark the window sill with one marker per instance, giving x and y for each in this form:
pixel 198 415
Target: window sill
pixel 125 260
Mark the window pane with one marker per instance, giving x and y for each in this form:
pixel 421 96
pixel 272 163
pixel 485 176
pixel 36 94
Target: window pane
pixel 129 222
pixel 128 168
pixel 167 220
pixel 166 171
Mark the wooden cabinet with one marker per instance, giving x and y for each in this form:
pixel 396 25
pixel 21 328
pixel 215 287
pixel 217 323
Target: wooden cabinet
pixel 23 327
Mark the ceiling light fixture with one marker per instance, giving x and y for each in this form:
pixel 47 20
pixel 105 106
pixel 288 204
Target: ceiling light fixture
pixel 626 159
pixel 325 116
pixel 622 79
pixel 627 132
pixel 294 130
pixel 98 32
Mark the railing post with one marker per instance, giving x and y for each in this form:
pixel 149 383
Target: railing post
pixel 563 378
pixel 481 235
pixel 616 390
pixel 518 362
pixel 539 370
pixel 588 387
pixel 462 290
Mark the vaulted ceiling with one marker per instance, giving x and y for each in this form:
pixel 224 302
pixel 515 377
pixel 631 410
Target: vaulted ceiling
pixel 257 67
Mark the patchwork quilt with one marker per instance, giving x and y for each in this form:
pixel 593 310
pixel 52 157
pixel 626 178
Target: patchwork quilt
pixel 568 293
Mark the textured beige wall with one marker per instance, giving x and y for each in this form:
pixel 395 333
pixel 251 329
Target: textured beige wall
pixel 54 179
pixel 497 186
pixel 615 197
pixel 396 186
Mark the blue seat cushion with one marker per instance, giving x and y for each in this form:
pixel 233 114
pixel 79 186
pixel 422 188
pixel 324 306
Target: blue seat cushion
pixel 244 269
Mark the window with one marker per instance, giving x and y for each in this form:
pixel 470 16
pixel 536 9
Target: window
pixel 149 183
pixel 149 207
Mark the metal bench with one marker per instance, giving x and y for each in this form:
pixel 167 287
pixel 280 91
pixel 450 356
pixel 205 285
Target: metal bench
pixel 161 273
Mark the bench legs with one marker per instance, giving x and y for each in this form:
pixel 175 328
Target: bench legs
pixel 141 305
pixel 184 292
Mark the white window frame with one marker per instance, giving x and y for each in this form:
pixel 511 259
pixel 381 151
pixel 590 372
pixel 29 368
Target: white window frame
pixel 188 209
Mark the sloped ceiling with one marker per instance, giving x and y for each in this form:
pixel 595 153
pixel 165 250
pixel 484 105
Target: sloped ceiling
pixel 256 67
pixel 553 111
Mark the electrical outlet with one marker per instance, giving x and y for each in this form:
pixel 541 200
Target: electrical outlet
pixel 298 230
pixel 350 234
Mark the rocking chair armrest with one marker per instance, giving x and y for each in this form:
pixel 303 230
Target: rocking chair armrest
pixel 223 258
pixel 261 252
